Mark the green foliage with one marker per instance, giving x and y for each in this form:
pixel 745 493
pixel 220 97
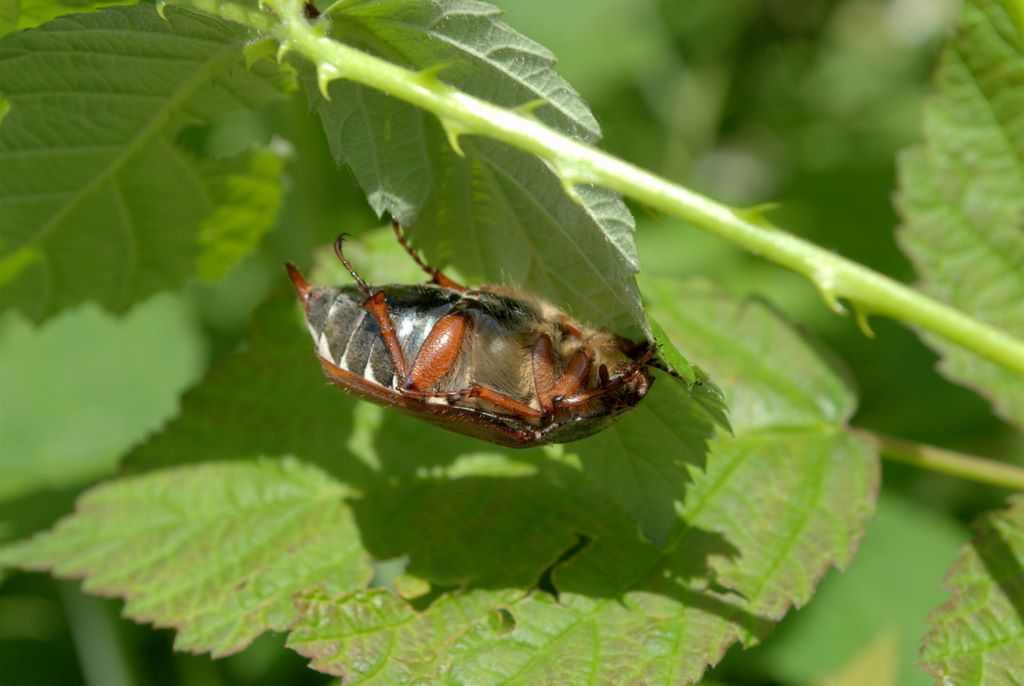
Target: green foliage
pixel 496 213
pixel 978 636
pixel 268 400
pixel 884 596
pixel 962 193
pixel 202 549
pixel 619 590
pixel 24 14
pixel 99 203
pixel 246 195
pixel 137 153
pixel 87 389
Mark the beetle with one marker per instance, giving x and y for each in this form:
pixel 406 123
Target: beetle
pixel 494 362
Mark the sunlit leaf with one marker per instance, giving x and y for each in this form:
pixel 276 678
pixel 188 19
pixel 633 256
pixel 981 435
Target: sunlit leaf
pixel 978 636
pixel 850 610
pixel 83 388
pixel 780 502
pixel 92 182
pixel 498 214
pixel 269 399
pixel 962 192
pixel 215 551
pixel 24 14
pixel 246 194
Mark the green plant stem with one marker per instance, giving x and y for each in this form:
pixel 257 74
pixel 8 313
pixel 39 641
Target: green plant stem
pixel 835 277
pixel 949 462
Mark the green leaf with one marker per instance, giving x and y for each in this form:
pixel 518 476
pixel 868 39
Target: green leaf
pixel 645 463
pixel 496 213
pixel 24 14
pixel 962 192
pixel 851 609
pixel 8 16
pixel 269 399
pixel 246 193
pixel 371 620
pixel 758 347
pixel 978 636
pixel 106 204
pixel 781 501
pixel 467 40
pixel 779 504
pixel 668 353
pixel 89 386
pixel 215 551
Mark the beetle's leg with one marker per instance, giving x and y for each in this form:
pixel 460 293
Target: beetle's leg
pixel 438 353
pixel 378 307
pixel 500 400
pixel 543 364
pixel 508 404
pixel 376 304
pixel 573 377
pixel 587 396
pixel 436 275
pixel 606 385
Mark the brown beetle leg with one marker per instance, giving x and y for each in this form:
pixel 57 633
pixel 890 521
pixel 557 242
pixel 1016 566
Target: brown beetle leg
pixel 436 275
pixel 438 353
pixel 378 307
pixel 606 385
pixel 439 350
pixel 376 304
pixel 581 398
pixel 507 404
pixel 500 400
pixel 543 371
pixel 573 377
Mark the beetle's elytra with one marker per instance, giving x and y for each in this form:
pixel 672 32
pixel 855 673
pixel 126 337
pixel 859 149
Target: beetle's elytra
pixel 492 362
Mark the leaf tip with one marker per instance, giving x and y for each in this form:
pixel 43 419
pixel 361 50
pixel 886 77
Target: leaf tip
pixel 161 9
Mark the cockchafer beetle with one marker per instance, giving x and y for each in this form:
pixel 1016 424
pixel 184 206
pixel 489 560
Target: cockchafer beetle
pixel 492 362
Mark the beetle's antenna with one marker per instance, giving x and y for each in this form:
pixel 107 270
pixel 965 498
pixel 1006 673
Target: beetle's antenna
pixel 302 286
pixel 351 270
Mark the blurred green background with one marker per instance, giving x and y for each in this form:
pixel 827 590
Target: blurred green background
pixel 805 103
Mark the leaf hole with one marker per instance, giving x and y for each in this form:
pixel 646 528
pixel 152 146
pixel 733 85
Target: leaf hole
pixel 502 621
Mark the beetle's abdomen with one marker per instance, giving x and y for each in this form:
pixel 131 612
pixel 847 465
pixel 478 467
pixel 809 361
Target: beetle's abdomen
pixel 347 335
